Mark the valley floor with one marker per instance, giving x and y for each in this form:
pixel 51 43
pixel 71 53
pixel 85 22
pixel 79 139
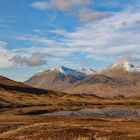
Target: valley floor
pixel 61 116
pixel 67 128
pixel 45 123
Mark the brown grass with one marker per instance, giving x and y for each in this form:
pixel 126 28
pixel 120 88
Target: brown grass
pixel 22 117
pixel 67 128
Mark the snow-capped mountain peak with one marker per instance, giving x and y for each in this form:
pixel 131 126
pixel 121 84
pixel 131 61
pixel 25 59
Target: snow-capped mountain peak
pixel 86 71
pixel 121 64
pixel 126 66
pixel 72 72
pixel 77 73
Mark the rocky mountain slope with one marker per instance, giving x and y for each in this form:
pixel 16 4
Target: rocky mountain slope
pixel 122 78
pixel 58 79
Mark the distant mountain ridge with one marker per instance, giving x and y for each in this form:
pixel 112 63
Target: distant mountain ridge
pixel 77 73
pixel 58 79
pixel 122 78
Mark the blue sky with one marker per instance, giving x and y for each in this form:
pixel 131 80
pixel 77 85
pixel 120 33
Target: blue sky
pixel 40 34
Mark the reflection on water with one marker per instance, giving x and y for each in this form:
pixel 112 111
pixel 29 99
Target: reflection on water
pixel 129 113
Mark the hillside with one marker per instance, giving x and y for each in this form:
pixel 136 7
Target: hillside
pixel 14 93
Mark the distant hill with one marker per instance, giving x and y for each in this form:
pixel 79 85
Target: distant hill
pixel 14 93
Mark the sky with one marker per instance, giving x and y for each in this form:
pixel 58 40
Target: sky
pixel 40 34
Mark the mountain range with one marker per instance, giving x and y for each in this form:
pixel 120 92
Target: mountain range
pixel 64 84
pixel 58 79
pixel 122 78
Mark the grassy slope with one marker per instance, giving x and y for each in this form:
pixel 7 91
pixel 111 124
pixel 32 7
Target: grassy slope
pixel 67 128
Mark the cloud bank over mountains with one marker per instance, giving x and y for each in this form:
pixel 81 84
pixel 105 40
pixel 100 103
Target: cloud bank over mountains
pixel 102 36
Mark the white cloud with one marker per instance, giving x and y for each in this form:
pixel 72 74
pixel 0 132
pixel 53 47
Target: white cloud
pixel 108 38
pixel 86 15
pixel 36 59
pixel 62 5
pixel 5 55
pixel 41 5
pixel 79 8
pixel 41 40
pixel 65 5
pixel 3 44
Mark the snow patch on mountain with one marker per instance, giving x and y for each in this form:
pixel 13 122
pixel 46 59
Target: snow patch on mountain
pixel 77 73
pixel 83 72
pixel 67 71
pixel 126 66
pixel 86 71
